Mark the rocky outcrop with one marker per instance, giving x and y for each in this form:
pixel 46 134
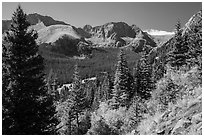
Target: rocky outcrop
pixel 195 20
pixel 87 28
pixel 181 120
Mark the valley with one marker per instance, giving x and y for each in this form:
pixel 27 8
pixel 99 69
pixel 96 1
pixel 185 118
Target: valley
pixel 110 79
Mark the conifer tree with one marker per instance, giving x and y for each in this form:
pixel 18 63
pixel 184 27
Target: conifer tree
pixel 106 88
pixel 143 77
pixel 135 112
pixel 31 108
pixel 123 83
pixel 177 57
pixel 158 70
pixel 66 117
pixel 70 110
pixel 97 98
pixel 195 45
pixel 52 85
pixel 7 120
pixel 77 95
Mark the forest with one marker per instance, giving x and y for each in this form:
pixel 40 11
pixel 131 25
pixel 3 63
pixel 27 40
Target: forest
pixel 135 97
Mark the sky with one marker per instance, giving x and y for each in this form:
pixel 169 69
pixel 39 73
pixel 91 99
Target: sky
pixel 146 15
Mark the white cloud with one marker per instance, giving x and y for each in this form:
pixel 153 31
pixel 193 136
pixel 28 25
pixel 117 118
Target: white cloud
pixel 158 32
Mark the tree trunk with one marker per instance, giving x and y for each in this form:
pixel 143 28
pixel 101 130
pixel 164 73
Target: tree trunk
pixel 77 118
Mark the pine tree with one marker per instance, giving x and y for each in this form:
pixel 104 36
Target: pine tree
pixel 32 110
pixel 158 70
pixel 143 77
pixel 97 98
pixel 7 120
pixel 78 96
pixel 177 57
pixel 52 85
pixel 195 45
pixel 70 109
pixel 123 83
pixel 106 88
pixel 135 112
pixel 65 116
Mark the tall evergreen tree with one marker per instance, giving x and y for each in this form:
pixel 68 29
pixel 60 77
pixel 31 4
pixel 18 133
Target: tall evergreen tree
pixel 135 112
pixel 7 120
pixel 195 45
pixel 158 70
pixel 66 117
pixel 78 96
pixel 70 109
pixel 143 77
pixel 123 83
pixel 177 57
pixel 31 109
pixel 106 88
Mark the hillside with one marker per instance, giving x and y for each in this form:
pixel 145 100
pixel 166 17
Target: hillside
pixel 52 33
pixel 161 51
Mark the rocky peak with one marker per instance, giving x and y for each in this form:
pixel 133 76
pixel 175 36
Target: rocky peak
pixel 87 28
pixel 136 29
pixel 120 28
pixel 47 20
pixel 195 20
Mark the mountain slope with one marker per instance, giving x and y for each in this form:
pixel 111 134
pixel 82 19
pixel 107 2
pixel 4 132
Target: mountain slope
pixel 161 51
pixel 52 33
pixel 112 34
pixel 34 19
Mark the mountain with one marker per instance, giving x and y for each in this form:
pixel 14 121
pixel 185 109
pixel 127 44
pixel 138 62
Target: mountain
pixel 195 20
pixel 34 19
pixel 65 36
pixel 47 20
pixel 116 34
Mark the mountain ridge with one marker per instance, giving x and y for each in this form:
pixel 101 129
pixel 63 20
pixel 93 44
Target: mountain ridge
pixel 34 19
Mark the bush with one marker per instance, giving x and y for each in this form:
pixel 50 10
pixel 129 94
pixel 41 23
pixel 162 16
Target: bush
pixel 100 127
